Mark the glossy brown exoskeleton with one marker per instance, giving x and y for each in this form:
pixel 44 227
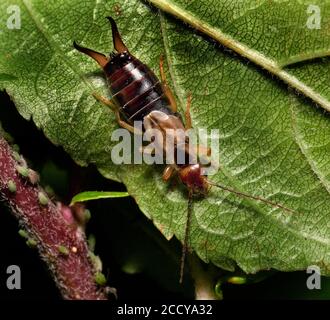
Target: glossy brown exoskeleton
pixel 138 95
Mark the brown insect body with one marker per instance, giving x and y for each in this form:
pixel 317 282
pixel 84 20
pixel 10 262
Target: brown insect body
pixel 135 88
pixel 138 95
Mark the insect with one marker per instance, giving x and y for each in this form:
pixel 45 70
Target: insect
pixel 138 95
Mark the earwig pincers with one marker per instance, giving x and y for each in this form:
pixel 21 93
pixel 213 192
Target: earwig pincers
pixel 138 95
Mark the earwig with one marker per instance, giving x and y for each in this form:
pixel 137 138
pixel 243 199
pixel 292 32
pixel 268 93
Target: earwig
pixel 138 95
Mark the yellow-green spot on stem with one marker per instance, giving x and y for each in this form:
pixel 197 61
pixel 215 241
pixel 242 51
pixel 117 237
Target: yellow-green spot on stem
pixel 23 171
pixel 23 233
pixel 63 250
pixel 91 242
pixel 43 200
pixel 8 137
pixel 97 263
pixel 49 190
pixel 100 278
pixel 31 243
pixel 11 186
pixel 15 147
pixel 237 280
pixel 16 156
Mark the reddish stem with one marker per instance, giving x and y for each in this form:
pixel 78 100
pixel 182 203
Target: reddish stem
pixel 59 239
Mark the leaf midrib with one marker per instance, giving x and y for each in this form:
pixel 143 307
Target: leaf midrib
pixel 243 50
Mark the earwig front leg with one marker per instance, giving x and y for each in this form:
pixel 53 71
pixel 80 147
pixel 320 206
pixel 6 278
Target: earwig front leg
pixel 167 91
pixel 187 113
pixel 105 101
pixel 168 172
pixel 203 151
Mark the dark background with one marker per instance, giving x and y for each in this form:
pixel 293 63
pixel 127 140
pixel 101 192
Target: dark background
pixel 135 255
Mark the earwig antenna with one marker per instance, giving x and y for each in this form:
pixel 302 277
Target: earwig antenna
pixel 245 195
pixel 186 235
pixel 117 40
pixel 100 58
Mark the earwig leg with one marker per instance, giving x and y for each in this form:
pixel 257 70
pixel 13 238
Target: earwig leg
pixel 168 172
pixel 187 113
pixel 161 69
pixel 114 108
pixel 105 101
pixel 126 125
pixel 167 91
pixel 203 151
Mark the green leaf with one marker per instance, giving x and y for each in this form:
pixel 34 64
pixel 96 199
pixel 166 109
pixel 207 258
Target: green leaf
pixel 273 142
pixel 95 195
pixel 7 77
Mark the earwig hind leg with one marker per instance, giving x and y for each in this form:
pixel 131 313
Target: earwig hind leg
pixel 167 91
pixel 126 125
pixel 187 113
pixel 168 172
pixel 105 101
pixel 114 108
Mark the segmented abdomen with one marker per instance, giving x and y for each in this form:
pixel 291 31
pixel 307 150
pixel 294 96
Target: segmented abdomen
pixel 134 87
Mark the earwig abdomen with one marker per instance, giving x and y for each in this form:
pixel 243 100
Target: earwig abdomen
pixel 135 88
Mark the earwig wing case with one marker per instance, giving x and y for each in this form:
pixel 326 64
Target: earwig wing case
pixel 271 141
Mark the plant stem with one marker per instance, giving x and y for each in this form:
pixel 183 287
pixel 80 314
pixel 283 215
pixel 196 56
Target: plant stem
pixel 51 227
pixel 204 282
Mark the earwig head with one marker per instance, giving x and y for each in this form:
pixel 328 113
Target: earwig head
pixel 191 176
